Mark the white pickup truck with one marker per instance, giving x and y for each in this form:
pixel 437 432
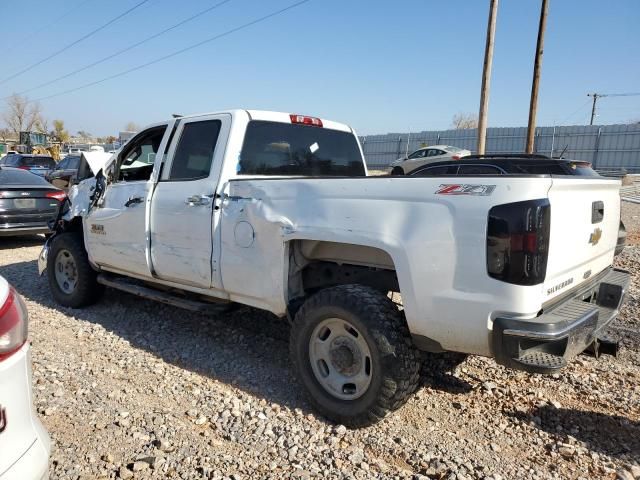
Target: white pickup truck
pixel 276 211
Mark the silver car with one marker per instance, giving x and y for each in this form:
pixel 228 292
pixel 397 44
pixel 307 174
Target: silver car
pixel 423 156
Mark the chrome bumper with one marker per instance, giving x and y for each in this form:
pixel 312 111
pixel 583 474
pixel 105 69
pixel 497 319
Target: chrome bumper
pixel 42 258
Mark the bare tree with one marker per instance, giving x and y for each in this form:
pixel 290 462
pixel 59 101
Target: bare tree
pixel 21 115
pixel 42 125
pixel 131 127
pixel 4 134
pixel 463 121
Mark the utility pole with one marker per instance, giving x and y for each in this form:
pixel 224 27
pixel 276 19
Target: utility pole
pixel 533 105
pixel 593 107
pixel 596 96
pixel 486 76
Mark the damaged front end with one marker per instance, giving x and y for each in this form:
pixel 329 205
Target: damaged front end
pixel 81 199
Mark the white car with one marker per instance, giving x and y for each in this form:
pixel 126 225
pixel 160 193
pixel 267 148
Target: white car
pixel 276 211
pixel 24 443
pixel 435 153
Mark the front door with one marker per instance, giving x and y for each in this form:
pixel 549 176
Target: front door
pixel 184 219
pixel 115 229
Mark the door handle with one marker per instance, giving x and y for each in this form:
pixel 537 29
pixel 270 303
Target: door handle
pixel 133 201
pixel 197 200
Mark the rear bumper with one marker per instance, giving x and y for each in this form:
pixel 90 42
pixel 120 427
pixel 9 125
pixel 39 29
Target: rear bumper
pixel 33 465
pixel 548 342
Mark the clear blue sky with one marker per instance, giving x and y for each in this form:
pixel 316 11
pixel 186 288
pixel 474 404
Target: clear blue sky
pixel 379 66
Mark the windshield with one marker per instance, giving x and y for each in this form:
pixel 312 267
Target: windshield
pixel 273 148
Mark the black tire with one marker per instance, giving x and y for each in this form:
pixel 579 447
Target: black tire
pixel 397 171
pixel 87 290
pixel 395 362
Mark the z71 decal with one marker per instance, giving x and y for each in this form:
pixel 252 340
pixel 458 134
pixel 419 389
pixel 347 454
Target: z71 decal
pixel 465 189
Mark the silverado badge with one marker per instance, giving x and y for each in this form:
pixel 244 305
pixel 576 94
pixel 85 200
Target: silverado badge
pixel 594 238
pixel 98 229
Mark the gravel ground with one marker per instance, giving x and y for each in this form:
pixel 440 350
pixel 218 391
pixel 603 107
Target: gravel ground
pixel 133 389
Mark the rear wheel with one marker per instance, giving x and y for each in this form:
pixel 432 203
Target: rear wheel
pixel 71 278
pixel 351 350
pixel 397 171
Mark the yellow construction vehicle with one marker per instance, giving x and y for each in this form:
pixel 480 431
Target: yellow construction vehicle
pixel 37 143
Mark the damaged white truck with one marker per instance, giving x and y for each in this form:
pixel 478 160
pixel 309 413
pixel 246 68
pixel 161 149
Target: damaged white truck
pixel 276 211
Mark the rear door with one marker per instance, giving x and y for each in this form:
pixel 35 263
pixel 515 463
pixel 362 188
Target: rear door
pixel 184 218
pixel 585 217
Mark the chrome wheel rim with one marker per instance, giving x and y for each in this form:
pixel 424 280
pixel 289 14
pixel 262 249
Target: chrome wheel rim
pixel 340 359
pixel 66 271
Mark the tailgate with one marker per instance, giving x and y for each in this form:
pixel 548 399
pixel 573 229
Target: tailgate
pixel 585 218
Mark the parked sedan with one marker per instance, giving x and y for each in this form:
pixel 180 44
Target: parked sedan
pixel 65 173
pixel 27 202
pixel 24 443
pixel 424 156
pixel 39 164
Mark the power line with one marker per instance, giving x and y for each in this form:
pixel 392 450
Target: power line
pixel 52 22
pixel 75 42
pixel 177 52
pixel 574 112
pixel 126 49
pixel 596 96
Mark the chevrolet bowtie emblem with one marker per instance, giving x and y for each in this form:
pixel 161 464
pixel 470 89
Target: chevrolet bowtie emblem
pixel 594 238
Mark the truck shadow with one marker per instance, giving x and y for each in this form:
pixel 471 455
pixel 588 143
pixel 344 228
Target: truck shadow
pixel 8 243
pixel 612 435
pixel 246 348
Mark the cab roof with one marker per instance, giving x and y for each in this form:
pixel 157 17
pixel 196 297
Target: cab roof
pixel 272 116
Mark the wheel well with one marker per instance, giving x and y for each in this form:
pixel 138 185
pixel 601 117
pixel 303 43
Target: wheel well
pixel 314 265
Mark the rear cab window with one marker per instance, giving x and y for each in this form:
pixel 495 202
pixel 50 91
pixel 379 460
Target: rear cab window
pixel 38 162
pixel 275 148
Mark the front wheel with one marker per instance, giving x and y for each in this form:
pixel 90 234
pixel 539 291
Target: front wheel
pixel 351 349
pixel 397 171
pixel 71 278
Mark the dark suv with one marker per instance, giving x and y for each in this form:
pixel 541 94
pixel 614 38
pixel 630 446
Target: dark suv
pixel 65 173
pixel 506 164
pixel 41 165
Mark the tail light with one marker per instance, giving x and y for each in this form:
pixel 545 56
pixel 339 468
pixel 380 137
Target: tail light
pixel 24 168
pixel 13 324
pixel 305 120
pixel 518 242
pixel 58 195
pixel 455 157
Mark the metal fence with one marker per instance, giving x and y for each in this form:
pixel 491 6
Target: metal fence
pixel 610 148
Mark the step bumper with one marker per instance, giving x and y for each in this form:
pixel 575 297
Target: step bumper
pixel 547 343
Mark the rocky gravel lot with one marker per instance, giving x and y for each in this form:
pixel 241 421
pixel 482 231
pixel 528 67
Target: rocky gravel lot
pixel 133 389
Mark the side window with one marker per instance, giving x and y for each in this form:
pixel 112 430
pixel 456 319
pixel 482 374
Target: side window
pixel 74 162
pixel 194 153
pixel 136 161
pixel 478 170
pixel 437 171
